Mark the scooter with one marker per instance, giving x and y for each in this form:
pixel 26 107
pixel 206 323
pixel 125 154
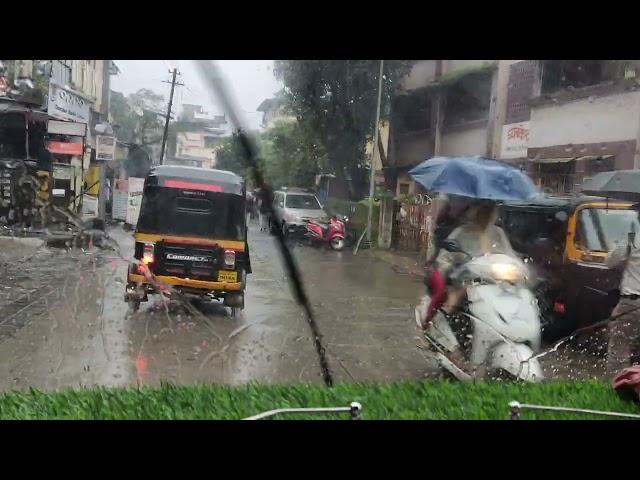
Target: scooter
pixel 332 233
pixel 498 329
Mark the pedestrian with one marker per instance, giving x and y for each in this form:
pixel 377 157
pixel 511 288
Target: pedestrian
pixel 624 330
pixel 263 213
pixel 248 207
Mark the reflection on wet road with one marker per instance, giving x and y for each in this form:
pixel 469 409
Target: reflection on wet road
pixel 84 335
pixel 64 323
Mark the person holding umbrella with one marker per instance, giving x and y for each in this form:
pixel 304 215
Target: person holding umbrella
pixel 484 181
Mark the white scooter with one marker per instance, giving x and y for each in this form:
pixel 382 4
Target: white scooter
pixel 504 320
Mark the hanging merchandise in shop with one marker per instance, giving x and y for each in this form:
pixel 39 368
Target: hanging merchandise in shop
pixel 67 105
pixel 105 147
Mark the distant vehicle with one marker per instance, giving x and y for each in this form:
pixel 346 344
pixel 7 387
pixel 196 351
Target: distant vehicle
pixel 292 208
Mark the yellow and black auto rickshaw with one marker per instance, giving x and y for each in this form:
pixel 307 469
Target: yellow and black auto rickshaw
pixel 191 235
pixel 569 239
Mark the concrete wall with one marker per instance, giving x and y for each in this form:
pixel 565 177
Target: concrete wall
pixel 412 149
pixel 589 120
pixel 465 142
pixel 451 65
pixel 422 73
pixel 502 88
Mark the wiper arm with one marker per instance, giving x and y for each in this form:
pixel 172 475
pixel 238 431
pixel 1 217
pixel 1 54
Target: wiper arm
pixel 212 77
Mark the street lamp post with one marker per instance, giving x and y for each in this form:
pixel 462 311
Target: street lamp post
pixel 372 179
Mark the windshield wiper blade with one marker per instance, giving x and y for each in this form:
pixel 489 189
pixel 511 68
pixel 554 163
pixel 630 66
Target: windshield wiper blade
pixel 212 77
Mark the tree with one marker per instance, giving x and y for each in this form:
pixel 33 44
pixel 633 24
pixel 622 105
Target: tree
pixel 337 99
pixel 139 116
pixel 293 155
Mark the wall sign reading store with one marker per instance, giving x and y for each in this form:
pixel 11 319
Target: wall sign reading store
pixel 515 140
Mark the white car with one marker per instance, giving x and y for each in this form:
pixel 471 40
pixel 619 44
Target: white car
pixel 292 208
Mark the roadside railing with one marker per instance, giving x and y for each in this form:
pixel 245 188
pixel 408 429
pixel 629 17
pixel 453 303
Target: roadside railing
pixel 516 408
pixel 354 410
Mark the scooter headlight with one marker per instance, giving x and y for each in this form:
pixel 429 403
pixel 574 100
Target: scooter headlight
pixel 507 272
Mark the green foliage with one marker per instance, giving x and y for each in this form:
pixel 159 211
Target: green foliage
pixel 337 99
pixel 433 400
pixel 139 116
pixel 292 153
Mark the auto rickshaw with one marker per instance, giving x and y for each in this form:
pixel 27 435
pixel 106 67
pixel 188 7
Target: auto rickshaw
pixel 192 236
pixel 568 239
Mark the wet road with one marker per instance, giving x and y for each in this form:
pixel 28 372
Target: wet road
pixel 64 323
pixel 82 334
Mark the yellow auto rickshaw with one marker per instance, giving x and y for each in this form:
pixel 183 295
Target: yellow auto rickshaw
pixel 569 239
pixel 191 235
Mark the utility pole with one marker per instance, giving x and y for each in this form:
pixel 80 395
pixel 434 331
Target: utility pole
pixel 166 123
pixel 372 177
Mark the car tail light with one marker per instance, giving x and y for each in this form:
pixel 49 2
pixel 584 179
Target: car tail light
pixel 229 258
pixel 147 253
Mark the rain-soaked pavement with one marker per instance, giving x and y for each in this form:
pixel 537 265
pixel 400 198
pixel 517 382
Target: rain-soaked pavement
pixel 63 323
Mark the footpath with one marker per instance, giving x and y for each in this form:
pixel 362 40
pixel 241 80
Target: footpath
pixel 404 263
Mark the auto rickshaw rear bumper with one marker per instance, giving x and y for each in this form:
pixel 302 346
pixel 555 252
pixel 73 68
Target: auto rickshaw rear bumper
pixel 188 283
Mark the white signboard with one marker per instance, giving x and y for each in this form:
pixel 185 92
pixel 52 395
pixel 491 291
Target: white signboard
pixel 62 172
pixel 105 147
pixel 515 140
pixel 120 197
pixel 66 105
pixel 89 206
pixel 67 128
pixel 134 199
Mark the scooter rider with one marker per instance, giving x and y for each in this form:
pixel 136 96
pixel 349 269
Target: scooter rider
pixel 478 236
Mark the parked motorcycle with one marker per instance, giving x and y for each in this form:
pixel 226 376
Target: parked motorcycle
pixel 498 327
pixel 332 233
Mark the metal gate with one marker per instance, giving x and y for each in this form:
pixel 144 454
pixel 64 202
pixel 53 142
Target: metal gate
pixel 411 228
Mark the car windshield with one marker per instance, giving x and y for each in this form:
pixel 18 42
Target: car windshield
pixel 606 229
pixel 305 202
pixel 215 238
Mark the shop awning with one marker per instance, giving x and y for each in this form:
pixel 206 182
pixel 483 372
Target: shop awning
pixel 570 159
pixel 594 157
pixel 553 160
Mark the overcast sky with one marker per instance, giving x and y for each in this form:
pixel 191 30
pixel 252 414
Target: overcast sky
pixel 251 81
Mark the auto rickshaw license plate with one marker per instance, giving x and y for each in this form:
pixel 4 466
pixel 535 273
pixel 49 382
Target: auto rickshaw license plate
pixel 224 276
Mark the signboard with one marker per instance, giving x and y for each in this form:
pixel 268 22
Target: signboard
pixel 67 128
pixel 134 199
pixel 515 140
pixel 89 206
pixel 120 196
pixel 66 105
pixel 66 148
pixel 105 147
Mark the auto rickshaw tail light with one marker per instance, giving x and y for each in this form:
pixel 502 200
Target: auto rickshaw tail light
pixel 229 258
pixel 559 307
pixel 147 253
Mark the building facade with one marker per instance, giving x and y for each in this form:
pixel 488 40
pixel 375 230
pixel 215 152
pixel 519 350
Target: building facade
pixel 562 121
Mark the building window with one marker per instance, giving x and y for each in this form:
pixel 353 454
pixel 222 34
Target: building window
pixel 468 99
pixel 403 189
pixel 558 75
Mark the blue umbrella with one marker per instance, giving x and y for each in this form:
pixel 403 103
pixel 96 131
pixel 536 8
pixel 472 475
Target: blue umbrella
pixel 474 177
